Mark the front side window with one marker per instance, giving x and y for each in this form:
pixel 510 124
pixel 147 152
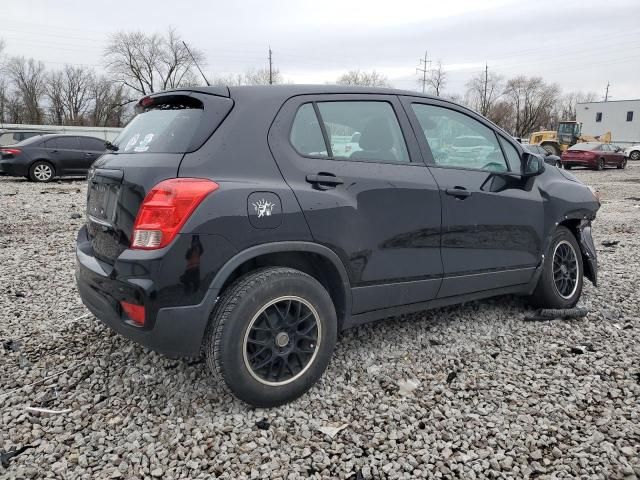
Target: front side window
pixel 513 157
pixel 366 131
pixel 457 140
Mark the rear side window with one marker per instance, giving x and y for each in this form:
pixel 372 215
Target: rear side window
pixel 363 131
pixel 306 134
pixel 172 124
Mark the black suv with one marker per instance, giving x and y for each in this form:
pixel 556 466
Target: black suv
pixel 253 224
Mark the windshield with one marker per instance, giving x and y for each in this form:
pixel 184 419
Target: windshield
pixel 165 126
pixel 567 128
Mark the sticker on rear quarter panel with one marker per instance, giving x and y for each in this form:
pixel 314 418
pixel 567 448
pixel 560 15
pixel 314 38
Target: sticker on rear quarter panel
pixel 264 209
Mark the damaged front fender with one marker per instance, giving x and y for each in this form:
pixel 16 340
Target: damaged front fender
pixel 588 248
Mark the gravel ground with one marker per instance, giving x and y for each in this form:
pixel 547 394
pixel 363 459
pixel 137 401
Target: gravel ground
pixel 496 396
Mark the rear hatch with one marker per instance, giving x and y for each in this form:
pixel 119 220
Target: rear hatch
pixel 147 151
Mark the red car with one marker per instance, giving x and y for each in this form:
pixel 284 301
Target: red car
pixel 594 155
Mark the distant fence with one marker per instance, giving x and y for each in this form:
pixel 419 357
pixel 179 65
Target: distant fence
pixel 105 133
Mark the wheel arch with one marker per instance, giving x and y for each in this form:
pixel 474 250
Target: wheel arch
pixel 316 260
pixel 577 226
pixel 43 160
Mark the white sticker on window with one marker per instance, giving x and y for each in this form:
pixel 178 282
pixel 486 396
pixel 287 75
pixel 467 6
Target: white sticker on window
pixel 144 144
pixel 132 141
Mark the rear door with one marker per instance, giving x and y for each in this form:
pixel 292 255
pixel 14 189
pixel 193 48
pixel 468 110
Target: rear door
pixel 353 163
pixel 491 226
pixel 149 150
pixel 66 154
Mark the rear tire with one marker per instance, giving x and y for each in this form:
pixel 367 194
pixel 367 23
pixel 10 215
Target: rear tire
pixel 41 171
pixel 635 155
pixel 566 167
pixel 560 283
pixel 600 165
pixel 271 336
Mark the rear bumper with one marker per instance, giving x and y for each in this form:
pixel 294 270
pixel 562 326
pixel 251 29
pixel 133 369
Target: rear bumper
pixel 174 331
pixel 579 163
pixel 10 168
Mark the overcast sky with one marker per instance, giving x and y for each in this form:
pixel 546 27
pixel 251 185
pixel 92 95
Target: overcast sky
pixel 578 45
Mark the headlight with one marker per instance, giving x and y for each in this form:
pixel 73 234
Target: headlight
pixel 594 192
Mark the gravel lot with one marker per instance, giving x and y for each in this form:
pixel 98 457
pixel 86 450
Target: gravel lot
pixel 497 396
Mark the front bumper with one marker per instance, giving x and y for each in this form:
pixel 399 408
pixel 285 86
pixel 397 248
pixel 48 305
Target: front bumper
pixel 174 331
pixel 589 256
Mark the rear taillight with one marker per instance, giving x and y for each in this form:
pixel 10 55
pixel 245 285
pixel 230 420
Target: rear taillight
pixel 165 210
pixel 10 151
pixel 134 312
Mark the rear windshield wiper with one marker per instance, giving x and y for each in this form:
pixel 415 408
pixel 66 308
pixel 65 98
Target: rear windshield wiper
pixel 110 146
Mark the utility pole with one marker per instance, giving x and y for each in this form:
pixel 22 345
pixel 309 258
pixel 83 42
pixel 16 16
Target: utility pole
pixel 606 93
pixel 270 67
pixel 485 107
pixel 422 68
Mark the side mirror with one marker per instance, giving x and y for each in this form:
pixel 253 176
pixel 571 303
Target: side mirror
pixel 532 165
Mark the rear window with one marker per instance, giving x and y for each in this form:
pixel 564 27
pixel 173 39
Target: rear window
pixel 584 146
pixel 172 124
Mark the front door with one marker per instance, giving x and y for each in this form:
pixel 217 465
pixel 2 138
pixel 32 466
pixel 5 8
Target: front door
pixel 357 172
pixel 491 225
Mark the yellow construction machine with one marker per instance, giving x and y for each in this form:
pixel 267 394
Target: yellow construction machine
pixel 569 133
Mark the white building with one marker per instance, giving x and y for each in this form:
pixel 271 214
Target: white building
pixel 620 117
pixel 105 133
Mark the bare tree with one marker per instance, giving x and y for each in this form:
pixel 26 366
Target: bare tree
pixel 28 80
pixel 69 94
pixel 150 62
pixel 108 103
pixel 483 90
pixel 54 89
pixel 532 101
pixel 567 104
pixel 261 76
pixel 437 79
pixel 250 77
pixel 363 79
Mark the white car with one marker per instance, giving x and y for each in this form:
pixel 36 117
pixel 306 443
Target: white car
pixel 632 152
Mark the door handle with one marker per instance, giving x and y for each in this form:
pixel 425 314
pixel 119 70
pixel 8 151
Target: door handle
pixel 324 181
pixel 458 192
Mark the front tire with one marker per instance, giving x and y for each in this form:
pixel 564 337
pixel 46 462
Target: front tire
pixel 561 280
pixel 551 148
pixel 41 171
pixel 622 164
pixel 635 155
pixel 600 165
pixel 271 336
